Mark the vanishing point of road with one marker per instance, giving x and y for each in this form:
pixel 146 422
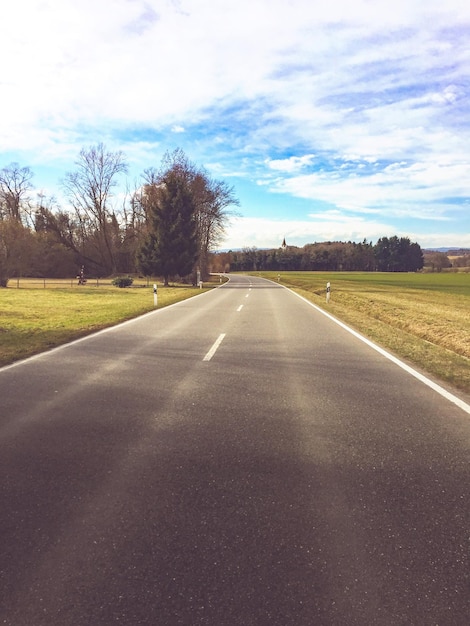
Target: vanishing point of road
pixel 235 459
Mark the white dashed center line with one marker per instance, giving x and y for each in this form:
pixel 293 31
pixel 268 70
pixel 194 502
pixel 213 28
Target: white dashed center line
pixel 213 350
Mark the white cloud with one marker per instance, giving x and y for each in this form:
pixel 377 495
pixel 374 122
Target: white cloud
pixel 420 190
pixel 292 164
pixel 148 61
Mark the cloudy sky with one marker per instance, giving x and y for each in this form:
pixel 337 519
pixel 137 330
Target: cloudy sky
pixel 332 119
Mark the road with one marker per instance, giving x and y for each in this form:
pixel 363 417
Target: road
pixel 236 459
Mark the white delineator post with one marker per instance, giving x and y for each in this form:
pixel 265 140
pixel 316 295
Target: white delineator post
pixel 328 291
pixel 155 295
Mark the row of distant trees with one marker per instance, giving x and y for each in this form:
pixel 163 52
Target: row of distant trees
pixel 436 261
pixel 389 254
pixel 165 226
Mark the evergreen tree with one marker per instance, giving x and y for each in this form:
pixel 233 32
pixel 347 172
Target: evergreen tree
pixel 171 246
pixel 398 255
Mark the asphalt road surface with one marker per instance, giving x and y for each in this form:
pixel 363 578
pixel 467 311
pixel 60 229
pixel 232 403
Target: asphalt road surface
pixel 236 459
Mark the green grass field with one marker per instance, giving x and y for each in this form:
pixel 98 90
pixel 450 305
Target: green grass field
pixel 422 318
pixel 34 319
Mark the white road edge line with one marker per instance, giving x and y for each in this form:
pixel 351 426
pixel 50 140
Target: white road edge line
pixel 240 308
pixel 427 381
pixel 213 350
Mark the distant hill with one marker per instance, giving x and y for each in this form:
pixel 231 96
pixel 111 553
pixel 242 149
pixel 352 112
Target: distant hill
pixel 454 251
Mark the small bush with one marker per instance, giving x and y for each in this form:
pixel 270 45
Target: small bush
pixel 122 281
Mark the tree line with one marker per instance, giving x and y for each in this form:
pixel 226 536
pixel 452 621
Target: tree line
pixel 165 226
pixel 389 254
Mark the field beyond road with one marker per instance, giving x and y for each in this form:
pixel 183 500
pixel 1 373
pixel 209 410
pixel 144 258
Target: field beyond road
pixel 34 319
pixel 422 318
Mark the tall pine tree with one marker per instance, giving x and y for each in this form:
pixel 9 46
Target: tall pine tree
pixel 171 246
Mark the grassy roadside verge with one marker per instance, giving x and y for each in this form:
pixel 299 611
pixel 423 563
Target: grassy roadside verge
pixel 422 318
pixel 34 320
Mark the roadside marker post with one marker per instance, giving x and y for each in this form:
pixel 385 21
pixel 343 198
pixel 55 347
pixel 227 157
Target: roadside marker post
pixel 155 295
pixel 328 291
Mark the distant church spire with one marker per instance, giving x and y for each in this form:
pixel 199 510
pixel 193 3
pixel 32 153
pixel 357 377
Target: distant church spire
pixel 284 245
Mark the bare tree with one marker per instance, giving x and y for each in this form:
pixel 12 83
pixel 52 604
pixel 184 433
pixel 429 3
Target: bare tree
pixel 212 200
pixel 437 261
pixel 90 189
pixel 17 250
pixel 15 186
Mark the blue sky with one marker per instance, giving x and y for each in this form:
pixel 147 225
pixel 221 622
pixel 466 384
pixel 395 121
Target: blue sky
pixel 340 120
